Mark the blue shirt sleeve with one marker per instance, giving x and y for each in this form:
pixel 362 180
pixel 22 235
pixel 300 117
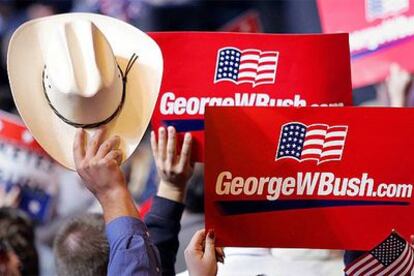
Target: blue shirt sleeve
pixel 131 251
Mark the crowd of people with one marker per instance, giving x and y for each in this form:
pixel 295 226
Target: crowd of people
pixel 119 241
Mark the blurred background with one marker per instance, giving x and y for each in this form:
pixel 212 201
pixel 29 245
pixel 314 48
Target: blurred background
pixel 59 194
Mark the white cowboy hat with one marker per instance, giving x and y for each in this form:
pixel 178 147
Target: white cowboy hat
pixel 67 71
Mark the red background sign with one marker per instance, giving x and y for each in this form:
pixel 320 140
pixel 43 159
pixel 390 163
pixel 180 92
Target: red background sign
pixel 381 33
pixel 311 68
pixel 378 143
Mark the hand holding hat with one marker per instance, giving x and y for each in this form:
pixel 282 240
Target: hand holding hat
pixel 97 162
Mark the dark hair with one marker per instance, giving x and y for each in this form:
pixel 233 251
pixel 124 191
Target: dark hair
pixel 17 235
pixel 80 246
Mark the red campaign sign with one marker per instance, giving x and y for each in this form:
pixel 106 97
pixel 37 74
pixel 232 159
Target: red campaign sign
pixel 248 22
pixel 381 33
pixel 25 164
pixel 225 69
pixel 333 178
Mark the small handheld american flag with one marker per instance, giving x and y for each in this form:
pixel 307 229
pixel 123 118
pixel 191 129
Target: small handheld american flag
pixel 317 141
pixel 246 66
pixel 394 256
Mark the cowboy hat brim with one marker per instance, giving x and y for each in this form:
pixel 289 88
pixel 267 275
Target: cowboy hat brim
pixel 25 62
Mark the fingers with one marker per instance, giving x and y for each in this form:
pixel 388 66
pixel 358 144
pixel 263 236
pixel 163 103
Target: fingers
pixel 9 198
pixel 210 249
pixel 154 145
pixel 196 243
pixel 114 155
pixel 79 146
pixel 12 197
pixel 161 143
pixel 171 146
pixel 186 150
pixel 94 143
pixel 109 145
pixel 220 254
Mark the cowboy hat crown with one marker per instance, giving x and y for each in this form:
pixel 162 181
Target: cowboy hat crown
pixel 81 73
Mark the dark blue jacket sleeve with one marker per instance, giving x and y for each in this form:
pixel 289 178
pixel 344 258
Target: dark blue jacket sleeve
pixel 163 222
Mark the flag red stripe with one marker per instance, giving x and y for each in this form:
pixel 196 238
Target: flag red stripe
pixel 337 128
pixel 265 71
pixel 316 127
pixel 315 136
pixel 268 55
pixel 335 138
pixel 264 80
pixel 251 52
pixel 252 61
pixel 330 157
pixel 333 148
pixel 312 147
pixel 267 63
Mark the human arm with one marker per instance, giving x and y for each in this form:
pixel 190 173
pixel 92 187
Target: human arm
pixel 164 218
pixel 97 162
pixel 397 84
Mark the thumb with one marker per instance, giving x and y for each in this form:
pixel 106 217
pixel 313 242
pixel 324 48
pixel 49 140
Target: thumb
pixel 210 249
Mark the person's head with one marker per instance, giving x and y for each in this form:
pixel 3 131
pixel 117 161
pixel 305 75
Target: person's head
pixel 81 247
pixel 17 243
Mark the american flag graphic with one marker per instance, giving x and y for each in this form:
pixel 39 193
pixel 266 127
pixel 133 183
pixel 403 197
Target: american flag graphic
pixel 317 141
pixel 394 256
pixel 246 66
pixel 375 9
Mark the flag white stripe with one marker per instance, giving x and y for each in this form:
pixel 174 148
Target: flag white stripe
pixel 363 268
pixel 334 143
pixel 266 67
pixel 249 57
pixel 268 59
pixel 247 74
pixel 311 151
pixel 331 152
pixel 402 265
pixel 248 65
pixel 316 132
pixel 265 76
pixel 385 271
pixel 358 264
pixel 336 134
pixel 313 142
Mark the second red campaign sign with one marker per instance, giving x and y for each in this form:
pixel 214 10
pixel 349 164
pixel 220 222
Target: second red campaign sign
pixel 338 178
pixel 380 33
pixel 225 69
